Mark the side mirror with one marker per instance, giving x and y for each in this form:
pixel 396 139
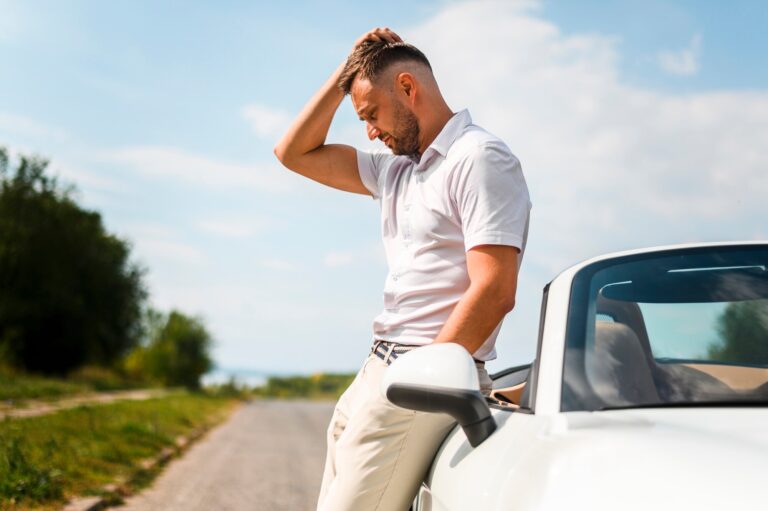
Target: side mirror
pixel 441 378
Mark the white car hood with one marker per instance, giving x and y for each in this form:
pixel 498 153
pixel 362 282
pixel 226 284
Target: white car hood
pixel 682 458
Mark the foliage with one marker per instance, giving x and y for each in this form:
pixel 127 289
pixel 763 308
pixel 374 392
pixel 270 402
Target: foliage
pixel 68 293
pixel 178 352
pixel 743 328
pixel 77 451
pixel 317 386
pixel 230 388
pixel 100 378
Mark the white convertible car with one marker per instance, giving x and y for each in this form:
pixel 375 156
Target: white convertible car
pixel 648 391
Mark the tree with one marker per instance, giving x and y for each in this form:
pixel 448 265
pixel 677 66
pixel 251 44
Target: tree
pixel 743 329
pixel 69 295
pixel 178 352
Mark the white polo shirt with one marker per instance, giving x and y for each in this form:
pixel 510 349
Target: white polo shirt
pixel 466 190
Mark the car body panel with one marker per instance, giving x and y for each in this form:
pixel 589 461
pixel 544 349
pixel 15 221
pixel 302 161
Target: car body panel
pixel 628 459
pixel 542 458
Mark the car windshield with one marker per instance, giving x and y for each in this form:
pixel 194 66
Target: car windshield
pixel 683 327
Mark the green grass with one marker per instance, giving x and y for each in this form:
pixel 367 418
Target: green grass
pixel 46 459
pixel 17 386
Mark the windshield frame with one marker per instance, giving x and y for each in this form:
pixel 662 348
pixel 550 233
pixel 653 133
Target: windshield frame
pixel 577 393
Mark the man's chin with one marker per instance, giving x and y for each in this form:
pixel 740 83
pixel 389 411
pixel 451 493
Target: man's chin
pixel 399 151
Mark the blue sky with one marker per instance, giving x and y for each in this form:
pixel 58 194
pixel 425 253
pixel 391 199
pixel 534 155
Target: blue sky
pixel 637 123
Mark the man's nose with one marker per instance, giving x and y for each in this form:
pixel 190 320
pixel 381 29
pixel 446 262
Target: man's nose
pixel 372 132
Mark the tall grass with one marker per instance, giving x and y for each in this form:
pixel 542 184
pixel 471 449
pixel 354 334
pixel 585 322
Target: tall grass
pixel 17 386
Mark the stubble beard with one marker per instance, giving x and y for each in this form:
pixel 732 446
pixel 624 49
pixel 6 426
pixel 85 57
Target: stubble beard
pixel 405 138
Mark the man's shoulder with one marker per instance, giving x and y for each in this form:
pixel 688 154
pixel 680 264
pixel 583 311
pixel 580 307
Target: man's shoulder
pixel 382 158
pixel 474 141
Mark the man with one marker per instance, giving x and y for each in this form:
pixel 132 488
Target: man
pixel 455 211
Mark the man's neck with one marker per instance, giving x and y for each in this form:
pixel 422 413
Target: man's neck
pixel 434 126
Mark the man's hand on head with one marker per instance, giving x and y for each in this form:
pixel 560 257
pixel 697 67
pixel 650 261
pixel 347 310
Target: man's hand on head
pixel 378 35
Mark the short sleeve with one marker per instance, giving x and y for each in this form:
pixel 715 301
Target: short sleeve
pixel 492 198
pixel 370 166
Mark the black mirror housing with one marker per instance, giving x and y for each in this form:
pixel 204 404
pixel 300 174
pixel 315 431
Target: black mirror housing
pixel 468 407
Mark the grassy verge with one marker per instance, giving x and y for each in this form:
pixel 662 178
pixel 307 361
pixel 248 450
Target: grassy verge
pixel 45 460
pixel 19 387
pixel 16 386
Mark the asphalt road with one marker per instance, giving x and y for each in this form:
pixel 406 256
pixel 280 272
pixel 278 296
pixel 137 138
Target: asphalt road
pixel 269 456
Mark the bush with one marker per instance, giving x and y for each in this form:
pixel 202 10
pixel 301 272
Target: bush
pixel 231 388
pixel 177 353
pixel 317 386
pixel 103 378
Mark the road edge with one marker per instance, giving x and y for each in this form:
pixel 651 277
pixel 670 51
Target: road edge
pixel 113 494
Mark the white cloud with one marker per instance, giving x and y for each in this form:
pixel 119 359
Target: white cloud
pixel 266 122
pixel 93 188
pixel 160 244
pixel 86 178
pixel 28 127
pixel 169 250
pixel 613 165
pixel 683 62
pixel 231 228
pixel 182 166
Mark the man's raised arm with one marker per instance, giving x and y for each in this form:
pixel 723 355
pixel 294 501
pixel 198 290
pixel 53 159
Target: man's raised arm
pixel 303 149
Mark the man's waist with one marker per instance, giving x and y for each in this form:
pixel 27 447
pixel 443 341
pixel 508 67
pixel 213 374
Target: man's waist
pixel 420 330
pixel 388 351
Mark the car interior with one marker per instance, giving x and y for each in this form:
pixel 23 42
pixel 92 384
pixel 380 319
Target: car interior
pixel 624 360
pixel 510 387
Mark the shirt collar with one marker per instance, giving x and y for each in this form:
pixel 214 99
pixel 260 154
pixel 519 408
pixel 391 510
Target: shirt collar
pixel 447 136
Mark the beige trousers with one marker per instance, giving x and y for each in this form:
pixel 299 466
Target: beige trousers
pixel 378 453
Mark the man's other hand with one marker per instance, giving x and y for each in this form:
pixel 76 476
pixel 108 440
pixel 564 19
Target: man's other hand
pixel 378 35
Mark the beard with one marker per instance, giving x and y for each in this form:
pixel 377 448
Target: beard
pixel 405 136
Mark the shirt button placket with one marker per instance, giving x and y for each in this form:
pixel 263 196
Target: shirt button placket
pixel 407 226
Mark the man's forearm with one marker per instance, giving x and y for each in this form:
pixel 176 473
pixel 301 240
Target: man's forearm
pixel 303 148
pixel 475 317
pixel 493 275
pixel 310 129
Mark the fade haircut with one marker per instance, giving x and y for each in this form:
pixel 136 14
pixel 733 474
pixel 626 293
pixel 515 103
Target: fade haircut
pixel 371 58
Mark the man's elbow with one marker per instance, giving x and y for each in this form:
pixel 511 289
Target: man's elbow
pixel 505 295
pixel 280 153
pixel 508 303
pixel 500 297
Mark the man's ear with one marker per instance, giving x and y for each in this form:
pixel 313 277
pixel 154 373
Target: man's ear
pixel 406 84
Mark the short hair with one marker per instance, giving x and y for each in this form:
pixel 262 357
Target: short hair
pixel 371 58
